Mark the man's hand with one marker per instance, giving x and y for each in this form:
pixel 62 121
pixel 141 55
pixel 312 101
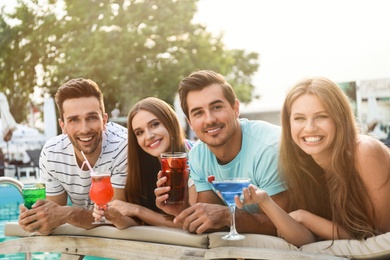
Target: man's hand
pixel 43 217
pixel 203 217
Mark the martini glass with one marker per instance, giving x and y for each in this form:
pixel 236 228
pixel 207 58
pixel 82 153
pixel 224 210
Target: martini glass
pixel 229 188
pixel 101 192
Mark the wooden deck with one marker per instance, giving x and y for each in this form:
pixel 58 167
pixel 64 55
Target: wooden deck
pixel 141 242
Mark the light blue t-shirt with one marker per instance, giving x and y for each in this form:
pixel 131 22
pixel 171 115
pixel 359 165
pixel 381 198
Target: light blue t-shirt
pixel 257 159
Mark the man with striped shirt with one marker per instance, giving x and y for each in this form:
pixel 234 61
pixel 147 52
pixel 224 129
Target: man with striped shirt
pixel 85 128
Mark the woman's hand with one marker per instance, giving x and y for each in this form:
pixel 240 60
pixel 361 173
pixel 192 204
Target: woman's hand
pixel 125 208
pixel 252 195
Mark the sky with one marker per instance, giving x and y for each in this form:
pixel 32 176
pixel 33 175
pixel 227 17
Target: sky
pixel 344 40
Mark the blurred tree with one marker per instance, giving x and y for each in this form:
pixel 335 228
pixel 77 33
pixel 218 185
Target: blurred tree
pixel 24 45
pixel 131 48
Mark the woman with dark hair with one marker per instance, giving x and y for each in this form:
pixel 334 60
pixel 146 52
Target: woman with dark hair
pixel 153 129
pixel 338 180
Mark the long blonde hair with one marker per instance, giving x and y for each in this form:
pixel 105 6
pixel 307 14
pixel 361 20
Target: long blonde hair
pixel 338 194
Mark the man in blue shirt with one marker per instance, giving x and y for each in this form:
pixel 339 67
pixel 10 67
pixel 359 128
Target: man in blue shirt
pixel 228 147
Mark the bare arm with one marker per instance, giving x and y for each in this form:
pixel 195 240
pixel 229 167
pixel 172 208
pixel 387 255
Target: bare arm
pixel 373 163
pixel 260 222
pixel 319 226
pixel 288 228
pixel 122 215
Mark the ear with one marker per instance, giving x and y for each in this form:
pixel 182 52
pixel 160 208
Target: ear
pixel 105 120
pixel 62 125
pixel 189 122
pixel 236 108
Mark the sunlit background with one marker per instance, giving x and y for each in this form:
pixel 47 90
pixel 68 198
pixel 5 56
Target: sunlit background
pixel 345 40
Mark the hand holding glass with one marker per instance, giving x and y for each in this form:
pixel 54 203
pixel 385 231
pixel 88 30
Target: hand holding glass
pixel 229 188
pixel 174 167
pixel 32 192
pixel 101 192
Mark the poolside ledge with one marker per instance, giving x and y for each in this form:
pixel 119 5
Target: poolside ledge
pixel 150 242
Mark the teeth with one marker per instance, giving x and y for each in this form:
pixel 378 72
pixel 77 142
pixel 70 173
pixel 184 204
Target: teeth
pixel 214 130
pixel 154 144
pixel 85 139
pixel 312 139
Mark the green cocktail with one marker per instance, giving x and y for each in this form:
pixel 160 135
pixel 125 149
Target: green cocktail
pixel 32 192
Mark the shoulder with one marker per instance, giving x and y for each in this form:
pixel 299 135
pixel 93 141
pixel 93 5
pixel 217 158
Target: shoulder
pixel 257 132
pixel 373 160
pixel 116 133
pixel 116 129
pixel 57 151
pixel 259 126
pixel 199 150
pixel 58 143
pixel 369 146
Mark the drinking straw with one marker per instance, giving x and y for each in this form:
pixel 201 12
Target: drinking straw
pixel 86 162
pixel 173 145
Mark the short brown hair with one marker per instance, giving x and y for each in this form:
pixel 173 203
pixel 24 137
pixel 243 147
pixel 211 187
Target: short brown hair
pixel 198 80
pixel 77 88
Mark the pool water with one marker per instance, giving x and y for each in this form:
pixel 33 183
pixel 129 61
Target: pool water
pixel 10 199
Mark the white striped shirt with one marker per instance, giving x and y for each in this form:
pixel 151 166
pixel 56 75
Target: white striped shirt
pixel 59 169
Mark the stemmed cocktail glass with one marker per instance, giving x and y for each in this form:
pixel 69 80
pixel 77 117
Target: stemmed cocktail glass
pixel 101 192
pixel 229 188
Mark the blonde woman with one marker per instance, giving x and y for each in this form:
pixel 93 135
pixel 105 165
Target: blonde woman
pixel 338 180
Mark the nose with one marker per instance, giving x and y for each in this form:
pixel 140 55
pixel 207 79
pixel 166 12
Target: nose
pixel 84 127
pixel 310 126
pixel 149 134
pixel 209 117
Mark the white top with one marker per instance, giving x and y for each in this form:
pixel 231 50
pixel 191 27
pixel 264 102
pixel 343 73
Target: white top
pixel 59 169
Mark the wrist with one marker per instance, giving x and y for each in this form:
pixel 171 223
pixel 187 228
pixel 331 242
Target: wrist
pixel 137 211
pixel 227 216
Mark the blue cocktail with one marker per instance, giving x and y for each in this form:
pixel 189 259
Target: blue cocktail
pixel 229 188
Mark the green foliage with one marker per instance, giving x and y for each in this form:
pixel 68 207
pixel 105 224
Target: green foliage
pixel 131 48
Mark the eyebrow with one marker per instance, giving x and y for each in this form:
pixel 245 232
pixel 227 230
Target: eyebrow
pixel 88 114
pixel 315 113
pixel 148 123
pixel 211 104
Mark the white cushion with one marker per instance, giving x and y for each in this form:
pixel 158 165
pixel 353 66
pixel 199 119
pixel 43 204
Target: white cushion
pixel 251 240
pixel 372 248
pixel 164 235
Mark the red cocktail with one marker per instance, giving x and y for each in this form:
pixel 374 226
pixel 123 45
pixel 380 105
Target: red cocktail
pixel 174 167
pixel 101 191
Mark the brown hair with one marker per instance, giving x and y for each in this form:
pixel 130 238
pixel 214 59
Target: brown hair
pixel 338 194
pixel 77 88
pixel 199 80
pixel 143 167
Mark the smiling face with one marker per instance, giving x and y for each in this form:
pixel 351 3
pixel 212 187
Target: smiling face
pixel 84 124
pixel 312 128
pixel 152 136
pixel 211 117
